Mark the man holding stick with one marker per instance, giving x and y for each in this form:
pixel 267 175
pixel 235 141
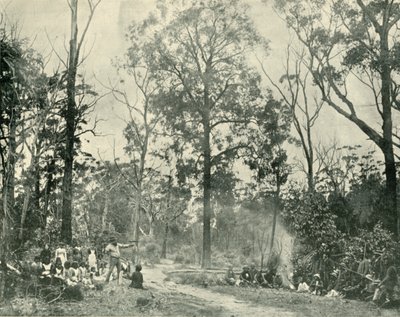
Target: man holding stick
pixel 115 257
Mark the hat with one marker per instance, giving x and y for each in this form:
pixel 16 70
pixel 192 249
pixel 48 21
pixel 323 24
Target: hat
pixel 317 275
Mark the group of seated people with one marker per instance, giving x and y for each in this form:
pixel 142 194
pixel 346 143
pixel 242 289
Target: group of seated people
pixel 250 276
pixel 347 284
pixel 60 268
pixel 369 287
pixel 73 267
pixel 352 285
pixel 316 286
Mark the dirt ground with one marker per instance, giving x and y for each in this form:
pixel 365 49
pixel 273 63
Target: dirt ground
pixel 165 298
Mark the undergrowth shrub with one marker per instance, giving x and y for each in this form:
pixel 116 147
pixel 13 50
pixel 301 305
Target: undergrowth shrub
pixel 152 252
pixel 195 278
pixel 179 258
pixel 186 255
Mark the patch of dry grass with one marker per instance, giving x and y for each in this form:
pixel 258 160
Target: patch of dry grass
pixel 115 300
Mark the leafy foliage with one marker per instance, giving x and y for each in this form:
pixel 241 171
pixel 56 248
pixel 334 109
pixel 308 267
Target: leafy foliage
pixel 309 217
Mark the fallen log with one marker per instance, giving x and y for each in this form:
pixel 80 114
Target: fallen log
pixel 216 271
pixel 11 268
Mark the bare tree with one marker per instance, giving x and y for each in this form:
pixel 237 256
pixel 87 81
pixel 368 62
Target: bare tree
pixel 70 114
pixel 300 96
pixel 140 134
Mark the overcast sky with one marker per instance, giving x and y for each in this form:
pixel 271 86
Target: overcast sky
pixel 106 38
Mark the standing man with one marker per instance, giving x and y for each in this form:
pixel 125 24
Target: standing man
pixel 115 257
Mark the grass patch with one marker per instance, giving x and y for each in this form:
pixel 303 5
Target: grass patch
pixel 187 306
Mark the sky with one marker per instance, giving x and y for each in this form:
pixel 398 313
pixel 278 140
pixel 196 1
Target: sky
pixel 45 21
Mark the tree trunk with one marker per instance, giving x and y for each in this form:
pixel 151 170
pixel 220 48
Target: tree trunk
pixel 227 240
pixel 206 257
pixel 387 127
pixel 165 239
pixel 310 158
pixel 136 217
pixel 36 198
pixel 25 208
pixel 49 185
pixel 271 246
pixel 253 240
pixel 32 174
pixel 66 224
pixel 8 203
pixel 151 227
pixel 276 210
pixel 105 213
pixel 262 261
pixel 29 183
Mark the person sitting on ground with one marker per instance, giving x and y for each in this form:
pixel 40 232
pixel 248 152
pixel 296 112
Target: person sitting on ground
pixel 25 269
pixel 82 272
pixel 137 278
pixel 278 282
pixel 36 266
pixel 46 273
pixel 316 285
pixel 303 286
pixel 260 280
pixel 45 255
pixel 353 288
pixel 253 272
pixel 35 269
pixel 334 284
pixel 57 271
pixel 230 278
pixel 76 253
pixel 85 277
pixel 245 277
pixel 269 276
pixel 71 273
pixel 385 290
pixel 370 285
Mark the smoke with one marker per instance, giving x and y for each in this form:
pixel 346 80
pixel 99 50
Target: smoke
pixel 284 244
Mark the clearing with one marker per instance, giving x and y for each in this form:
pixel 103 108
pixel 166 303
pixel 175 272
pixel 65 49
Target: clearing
pixel 166 298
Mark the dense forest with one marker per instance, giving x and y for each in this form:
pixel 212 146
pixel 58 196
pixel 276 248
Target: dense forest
pixel 224 162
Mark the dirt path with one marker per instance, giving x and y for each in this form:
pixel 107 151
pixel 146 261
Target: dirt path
pixel 226 305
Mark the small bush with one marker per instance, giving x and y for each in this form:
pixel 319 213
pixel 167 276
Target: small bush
pixel 73 293
pixel 150 250
pixel 179 258
pixel 186 255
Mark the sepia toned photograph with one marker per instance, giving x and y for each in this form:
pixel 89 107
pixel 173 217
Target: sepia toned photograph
pixel 216 158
